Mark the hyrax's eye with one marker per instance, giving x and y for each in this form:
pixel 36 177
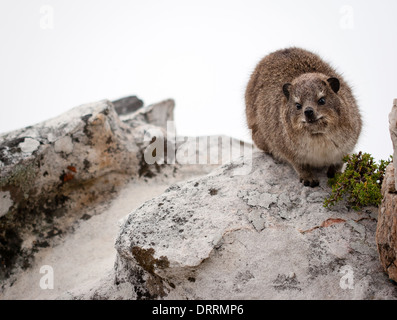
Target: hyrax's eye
pixel 321 102
pixel 298 106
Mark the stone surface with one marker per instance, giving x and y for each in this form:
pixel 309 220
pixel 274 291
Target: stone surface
pixel 52 171
pixel 258 235
pixel 5 203
pixel 386 232
pixel 156 114
pixel 247 230
pixel 393 132
pixel 87 253
pixel 127 105
pixel 29 145
pixel 55 174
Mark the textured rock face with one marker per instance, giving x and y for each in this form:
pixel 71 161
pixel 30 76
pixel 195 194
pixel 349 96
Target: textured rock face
pixel 51 171
pixel 386 232
pixel 393 132
pixel 156 114
pixel 127 105
pixel 254 236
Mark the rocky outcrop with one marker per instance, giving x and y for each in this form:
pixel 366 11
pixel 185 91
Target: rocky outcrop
pixel 51 172
pixel 245 234
pixel 246 230
pixel 386 233
pixel 54 174
pixel 393 133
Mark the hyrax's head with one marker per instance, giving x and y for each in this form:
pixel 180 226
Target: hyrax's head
pixel 313 103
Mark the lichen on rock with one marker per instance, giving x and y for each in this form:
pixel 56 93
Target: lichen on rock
pixel 52 171
pixel 264 223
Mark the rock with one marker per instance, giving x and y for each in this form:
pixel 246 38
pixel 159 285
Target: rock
pixel 55 172
pixel 386 232
pixel 29 145
pixel 156 114
pixel 5 203
pixel 64 144
pixel 393 132
pixel 52 171
pixel 127 105
pixel 260 235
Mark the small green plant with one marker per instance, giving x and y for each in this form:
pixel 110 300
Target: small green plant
pixel 360 183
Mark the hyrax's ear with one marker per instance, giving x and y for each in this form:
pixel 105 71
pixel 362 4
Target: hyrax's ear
pixel 334 83
pixel 286 88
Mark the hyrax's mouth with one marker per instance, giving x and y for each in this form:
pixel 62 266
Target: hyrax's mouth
pixel 312 120
pixel 315 126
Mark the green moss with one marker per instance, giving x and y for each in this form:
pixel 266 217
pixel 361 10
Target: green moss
pixel 21 177
pixel 360 184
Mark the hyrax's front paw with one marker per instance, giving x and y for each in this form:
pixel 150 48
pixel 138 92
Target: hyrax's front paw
pixel 306 175
pixel 333 170
pixel 310 182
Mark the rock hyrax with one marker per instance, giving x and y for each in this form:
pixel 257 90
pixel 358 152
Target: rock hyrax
pixel 302 111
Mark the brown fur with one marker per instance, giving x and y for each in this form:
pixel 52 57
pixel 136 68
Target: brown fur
pixel 289 120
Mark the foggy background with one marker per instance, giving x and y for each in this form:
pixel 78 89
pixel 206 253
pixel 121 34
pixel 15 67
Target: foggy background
pixel 59 54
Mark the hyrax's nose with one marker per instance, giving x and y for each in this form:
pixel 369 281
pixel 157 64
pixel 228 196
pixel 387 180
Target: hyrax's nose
pixel 309 113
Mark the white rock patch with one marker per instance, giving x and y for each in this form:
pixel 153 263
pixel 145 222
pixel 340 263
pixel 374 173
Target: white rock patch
pixel 64 144
pixel 5 202
pixel 29 145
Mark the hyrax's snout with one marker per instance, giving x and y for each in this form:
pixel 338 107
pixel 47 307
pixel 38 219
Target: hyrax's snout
pixel 309 114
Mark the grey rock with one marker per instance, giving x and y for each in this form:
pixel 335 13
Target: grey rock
pixel 386 232
pixel 29 145
pixel 52 171
pixel 228 236
pixel 393 133
pixel 157 114
pixel 127 105
pixel 5 202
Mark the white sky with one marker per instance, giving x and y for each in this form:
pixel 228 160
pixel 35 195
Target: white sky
pixel 199 53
